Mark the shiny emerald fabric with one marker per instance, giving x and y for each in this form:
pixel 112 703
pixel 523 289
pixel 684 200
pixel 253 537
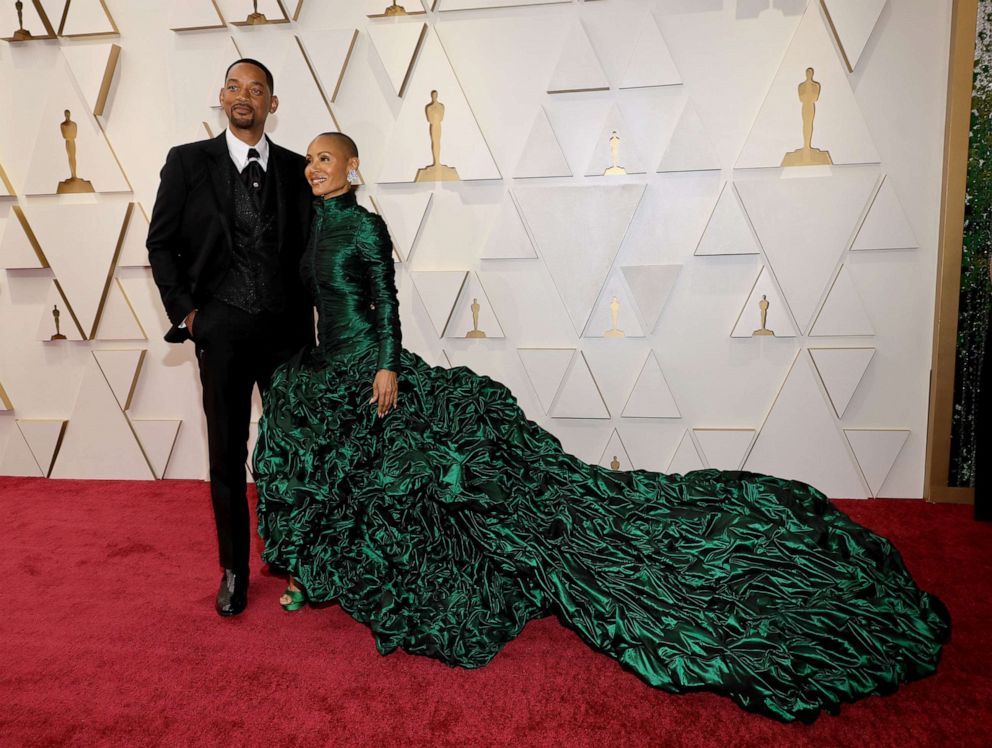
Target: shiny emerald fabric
pixel 451 522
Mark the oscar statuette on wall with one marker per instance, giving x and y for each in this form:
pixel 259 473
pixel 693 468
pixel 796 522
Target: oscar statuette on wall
pixel 614 169
pixel 395 10
pixel 763 331
pixel 809 94
pixel 255 18
pixel 22 34
pixel 436 172
pixel 614 463
pixel 614 331
pixel 475 332
pixel 56 314
pixel 74 184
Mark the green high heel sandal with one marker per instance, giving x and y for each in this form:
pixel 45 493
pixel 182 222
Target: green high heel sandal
pixel 296 599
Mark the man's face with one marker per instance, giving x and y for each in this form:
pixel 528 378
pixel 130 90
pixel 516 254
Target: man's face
pixel 246 98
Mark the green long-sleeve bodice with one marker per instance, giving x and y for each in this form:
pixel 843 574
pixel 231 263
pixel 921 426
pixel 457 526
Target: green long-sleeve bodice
pixel 349 270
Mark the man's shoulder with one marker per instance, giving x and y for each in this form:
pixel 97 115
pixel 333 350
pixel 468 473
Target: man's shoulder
pixel 196 149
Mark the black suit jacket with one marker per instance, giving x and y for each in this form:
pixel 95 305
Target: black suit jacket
pixel 190 244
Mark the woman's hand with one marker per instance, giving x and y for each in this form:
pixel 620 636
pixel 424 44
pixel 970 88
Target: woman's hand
pixel 385 391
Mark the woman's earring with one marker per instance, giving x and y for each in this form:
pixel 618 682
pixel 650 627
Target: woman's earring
pixel 353 176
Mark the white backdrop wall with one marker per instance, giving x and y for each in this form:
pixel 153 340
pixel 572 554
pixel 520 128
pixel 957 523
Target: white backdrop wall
pixel 703 96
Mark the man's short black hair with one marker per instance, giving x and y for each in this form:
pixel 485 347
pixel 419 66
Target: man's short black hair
pixel 350 149
pixel 260 66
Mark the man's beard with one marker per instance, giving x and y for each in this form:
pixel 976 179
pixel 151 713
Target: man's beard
pixel 242 121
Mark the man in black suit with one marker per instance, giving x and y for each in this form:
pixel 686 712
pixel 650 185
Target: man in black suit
pixel 226 234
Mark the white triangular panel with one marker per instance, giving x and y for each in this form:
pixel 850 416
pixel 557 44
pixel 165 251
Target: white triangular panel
pixel 841 371
pixel 195 94
pixel 804 225
pixel 578 68
pixel 546 369
pixel 876 451
pixel 628 156
pixel 651 396
pixel 508 239
pixel 397 45
pixel 651 63
pixel 463 146
pixel 121 368
pixel 578 231
pixel 404 216
pixel 17 251
pixel 579 396
pixel 80 243
pixel 843 312
pixel 46 319
pixel 329 51
pixel 43 438
pixel 852 22
pixel 686 457
pixel 93 66
pixel 650 286
pixel 886 225
pixel 99 442
pixel 86 18
pixel 800 439
pixel 461 322
pixel 749 319
pixel 194 15
pixel 118 321
pixel 157 438
pixel 439 290
pixel 601 319
pixel 16 458
pixel 724 449
pixel 49 164
pixel 690 148
pixel 542 155
pixel 134 253
pixel 615 450
pixel 728 231
pixel 838 127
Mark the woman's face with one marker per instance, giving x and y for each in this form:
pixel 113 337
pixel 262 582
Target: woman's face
pixel 327 167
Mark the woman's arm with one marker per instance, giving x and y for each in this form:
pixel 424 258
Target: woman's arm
pixel 377 249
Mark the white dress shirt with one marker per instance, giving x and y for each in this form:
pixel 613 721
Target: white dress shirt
pixel 239 151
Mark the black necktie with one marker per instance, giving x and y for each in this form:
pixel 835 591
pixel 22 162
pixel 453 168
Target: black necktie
pixel 253 174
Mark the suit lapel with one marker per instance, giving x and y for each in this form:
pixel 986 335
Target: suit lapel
pixel 220 178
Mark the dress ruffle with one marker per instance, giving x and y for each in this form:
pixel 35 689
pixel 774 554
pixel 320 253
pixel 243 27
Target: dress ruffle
pixel 454 520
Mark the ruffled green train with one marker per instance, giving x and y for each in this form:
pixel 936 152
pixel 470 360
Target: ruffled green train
pixel 454 520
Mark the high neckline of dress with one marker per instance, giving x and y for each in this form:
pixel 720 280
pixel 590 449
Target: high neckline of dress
pixel 339 202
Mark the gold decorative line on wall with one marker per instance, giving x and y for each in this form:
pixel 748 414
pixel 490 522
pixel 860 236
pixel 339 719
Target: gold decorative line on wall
pixel 316 79
pixel 108 78
pixel 5 399
pixel 29 233
pixel 92 35
pixel 6 183
pixel 111 270
pixel 220 17
pixel 344 67
pixel 837 37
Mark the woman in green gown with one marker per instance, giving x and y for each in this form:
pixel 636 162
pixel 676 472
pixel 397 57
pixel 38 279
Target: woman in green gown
pixel 437 514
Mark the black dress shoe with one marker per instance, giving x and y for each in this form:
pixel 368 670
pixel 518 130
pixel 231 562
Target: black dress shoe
pixel 232 597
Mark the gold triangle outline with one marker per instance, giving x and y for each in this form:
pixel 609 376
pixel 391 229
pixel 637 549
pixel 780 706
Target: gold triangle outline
pixel 49 29
pixel 65 15
pixel 220 17
pixel 47 472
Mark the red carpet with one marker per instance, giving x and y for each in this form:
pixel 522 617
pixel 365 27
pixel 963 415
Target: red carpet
pixel 108 637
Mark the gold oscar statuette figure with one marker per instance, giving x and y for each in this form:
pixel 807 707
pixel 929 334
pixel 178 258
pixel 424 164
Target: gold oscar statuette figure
pixel 615 168
pixel 809 93
pixel 255 18
pixel 73 184
pixel 394 10
pixel 22 34
pixel 436 172
pixel 763 331
pixel 58 332
pixel 614 332
pixel 614 463
pixel 475 332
